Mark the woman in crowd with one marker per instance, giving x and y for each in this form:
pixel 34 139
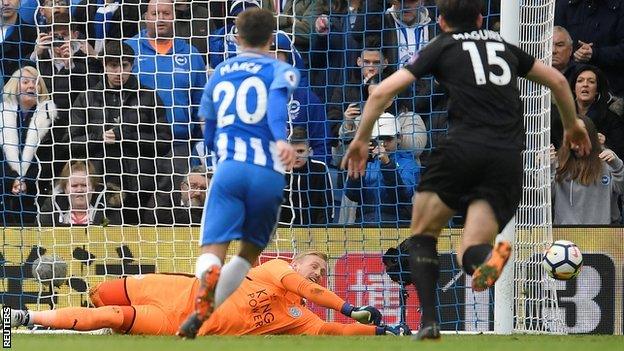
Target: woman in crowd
pixel 591 92
pixel 585 189
pixel 27 114
pixel 78 199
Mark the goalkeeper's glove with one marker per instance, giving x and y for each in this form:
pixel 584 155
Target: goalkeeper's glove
pixel 397 330
pixel 363 314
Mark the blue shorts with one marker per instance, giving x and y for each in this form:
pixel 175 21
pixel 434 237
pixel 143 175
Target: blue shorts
pixel 243 204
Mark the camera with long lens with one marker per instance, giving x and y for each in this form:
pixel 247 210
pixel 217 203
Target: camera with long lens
pixel 396 263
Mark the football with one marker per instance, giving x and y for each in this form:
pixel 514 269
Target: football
pixel 563 260
pixel 50 268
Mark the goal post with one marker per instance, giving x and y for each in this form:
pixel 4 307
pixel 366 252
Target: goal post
pixel 526 300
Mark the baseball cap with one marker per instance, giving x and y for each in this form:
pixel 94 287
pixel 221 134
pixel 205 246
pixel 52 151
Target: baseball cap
pixel 386 125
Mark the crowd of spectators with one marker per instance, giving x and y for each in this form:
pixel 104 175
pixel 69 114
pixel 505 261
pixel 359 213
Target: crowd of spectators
pixel 100 102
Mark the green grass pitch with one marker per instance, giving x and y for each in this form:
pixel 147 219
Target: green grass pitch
pixel 305 343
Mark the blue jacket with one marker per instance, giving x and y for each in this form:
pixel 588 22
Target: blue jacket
pixel 179 81
pixel 306 110
pixel 386 192
pixel 600 22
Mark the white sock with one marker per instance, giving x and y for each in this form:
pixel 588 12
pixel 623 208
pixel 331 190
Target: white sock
pixel 231 277
pixel 205 261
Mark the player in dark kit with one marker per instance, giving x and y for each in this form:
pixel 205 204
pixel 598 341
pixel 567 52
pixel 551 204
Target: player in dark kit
pixel 478 167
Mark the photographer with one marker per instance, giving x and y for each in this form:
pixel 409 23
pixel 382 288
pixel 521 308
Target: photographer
pixel 385 193
pixel 67 70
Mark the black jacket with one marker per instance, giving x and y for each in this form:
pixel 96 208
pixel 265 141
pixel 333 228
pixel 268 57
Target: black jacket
pixel 17 47
pixel 138 120
pixel 600 22
pixel 65 85
pixel 311 199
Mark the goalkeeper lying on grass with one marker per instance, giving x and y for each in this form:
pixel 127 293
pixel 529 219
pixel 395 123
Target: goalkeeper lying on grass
pixel 271 300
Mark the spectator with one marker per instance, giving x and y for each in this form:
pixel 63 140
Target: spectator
pixel 121 126
pixel 27 115
pixel 184 206
pixel 295 17
pixel 346 103
pixel 385 192
pixel 67 71
pixel 585 189
pixel 48 10
pixel 335 45
pixel 562 51
pixel 107 19
pixel 27 11
pixel 308 197
pixel 179 82
pixel 591 92
pixel 405 29
pixel 597 29
pixel 193 23
pixel 305 108
pixel 561 60
pixel 64 62
pixel 17 40
pixel 223 43
pixel 411 126
pixel 78 199
pixel 193 196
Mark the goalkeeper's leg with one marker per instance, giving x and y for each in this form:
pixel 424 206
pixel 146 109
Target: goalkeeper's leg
pixel 118 318
pixel 429 215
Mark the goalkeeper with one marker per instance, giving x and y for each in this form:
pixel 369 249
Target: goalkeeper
pixel 271 300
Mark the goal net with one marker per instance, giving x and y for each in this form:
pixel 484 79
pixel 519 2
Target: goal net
pixel 105 169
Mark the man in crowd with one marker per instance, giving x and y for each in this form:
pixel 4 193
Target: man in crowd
pixel 176 70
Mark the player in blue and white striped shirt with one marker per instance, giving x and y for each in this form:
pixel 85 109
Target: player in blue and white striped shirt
pixel 245 109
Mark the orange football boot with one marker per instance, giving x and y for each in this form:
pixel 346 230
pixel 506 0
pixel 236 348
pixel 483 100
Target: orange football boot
pixel 486 275
pixel 204 304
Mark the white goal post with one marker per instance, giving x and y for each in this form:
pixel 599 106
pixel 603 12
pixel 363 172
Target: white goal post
pixel 525 299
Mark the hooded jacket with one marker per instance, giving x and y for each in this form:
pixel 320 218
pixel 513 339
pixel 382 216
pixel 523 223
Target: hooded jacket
pixel 311 197
pixel 574 203
pixel 55 210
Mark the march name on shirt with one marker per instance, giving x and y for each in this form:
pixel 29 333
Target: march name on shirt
pixel 250 67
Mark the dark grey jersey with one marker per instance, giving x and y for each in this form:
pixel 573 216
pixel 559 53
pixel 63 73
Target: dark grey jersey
pixel 479 70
